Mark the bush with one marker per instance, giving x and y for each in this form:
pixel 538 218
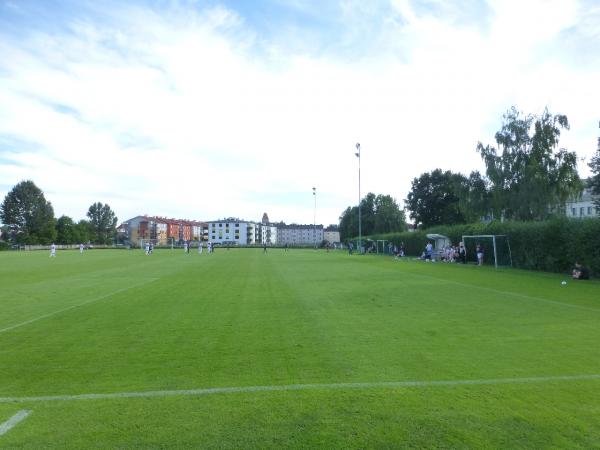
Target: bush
pixel 552 245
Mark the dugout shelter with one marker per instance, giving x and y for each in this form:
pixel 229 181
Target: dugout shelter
pixel 439 243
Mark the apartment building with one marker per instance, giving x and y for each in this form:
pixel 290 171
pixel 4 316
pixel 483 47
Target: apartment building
pixel 233 231
pixel 331 234
pixel 299 234
pixel 163 230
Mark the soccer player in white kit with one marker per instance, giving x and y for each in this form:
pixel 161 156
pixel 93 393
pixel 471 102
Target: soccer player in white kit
pixel 185 247
pixel 199 247
pixel 147 248
pixel 81 249
pixel 53 251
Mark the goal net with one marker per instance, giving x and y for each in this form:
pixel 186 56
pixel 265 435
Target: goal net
pixel 496 249
pixel 382 247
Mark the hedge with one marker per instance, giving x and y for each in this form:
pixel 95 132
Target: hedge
pixel 551 246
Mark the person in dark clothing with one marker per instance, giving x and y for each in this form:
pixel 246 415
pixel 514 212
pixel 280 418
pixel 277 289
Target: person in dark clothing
pixel 462 253
pixel 580 272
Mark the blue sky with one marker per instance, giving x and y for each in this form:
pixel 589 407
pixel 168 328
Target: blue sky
pixel 206 109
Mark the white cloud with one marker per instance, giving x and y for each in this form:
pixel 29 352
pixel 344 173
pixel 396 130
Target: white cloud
pixel 189 114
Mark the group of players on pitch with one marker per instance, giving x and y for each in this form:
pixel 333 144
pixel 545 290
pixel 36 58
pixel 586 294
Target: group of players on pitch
pixel 186 248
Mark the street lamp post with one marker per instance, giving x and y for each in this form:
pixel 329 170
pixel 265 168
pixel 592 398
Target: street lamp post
pixel 359 220
pixel 315 217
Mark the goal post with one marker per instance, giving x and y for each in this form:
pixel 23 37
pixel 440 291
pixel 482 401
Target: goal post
pixel 496 249
pixel 381 246
pixel 143 242
pixel 170 243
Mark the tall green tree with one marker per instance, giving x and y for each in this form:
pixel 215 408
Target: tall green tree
pixel 349 223
pixel 594 181
pixel 27 214
pixel 379 214
pixel 529 174
pixel 65 230
pixel 433 199
pixel 367 211
pixel 473 196
pixel 389 217
pixel 103 221
pixel 83 232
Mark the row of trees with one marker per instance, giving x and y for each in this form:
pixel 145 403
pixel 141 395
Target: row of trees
pixel 379 214
pixel 28 218
pixel 528 177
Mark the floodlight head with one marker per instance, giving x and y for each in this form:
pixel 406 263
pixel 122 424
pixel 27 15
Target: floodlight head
pixel 357 155
pixel 358 146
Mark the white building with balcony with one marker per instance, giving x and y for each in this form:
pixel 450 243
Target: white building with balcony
pixel 232 231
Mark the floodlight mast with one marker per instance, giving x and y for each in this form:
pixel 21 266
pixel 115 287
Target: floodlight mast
pixel 315 218
pixel 359 219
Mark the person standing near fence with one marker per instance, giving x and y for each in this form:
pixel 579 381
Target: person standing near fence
pixel 462 253
pixel 480 254
pixel 428 251
pixel 53 251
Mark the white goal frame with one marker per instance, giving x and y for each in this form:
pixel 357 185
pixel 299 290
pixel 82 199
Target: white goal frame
pixel 493 237
pixel 383 245
pixel 144 241
pixel 155 242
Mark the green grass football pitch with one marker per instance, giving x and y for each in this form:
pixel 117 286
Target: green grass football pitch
pixel 300 349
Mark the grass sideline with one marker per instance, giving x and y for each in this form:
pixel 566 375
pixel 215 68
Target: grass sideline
pixel 118 321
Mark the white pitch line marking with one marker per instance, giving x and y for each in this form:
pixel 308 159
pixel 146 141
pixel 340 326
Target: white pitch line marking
pixel 18 417
pixel 102 297
pixel 299 387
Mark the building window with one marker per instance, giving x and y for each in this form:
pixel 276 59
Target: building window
pixel 573 212
pixel 581 211
pixel 589 210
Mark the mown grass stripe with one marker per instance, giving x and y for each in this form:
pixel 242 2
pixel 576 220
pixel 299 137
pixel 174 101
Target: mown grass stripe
pixel 507 293
pixel 102 297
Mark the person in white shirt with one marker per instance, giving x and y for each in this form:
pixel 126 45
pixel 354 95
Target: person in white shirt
pixel 53 251
pixel 199 247
pixel 428 251
pixel 81 249
pixel 147 248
